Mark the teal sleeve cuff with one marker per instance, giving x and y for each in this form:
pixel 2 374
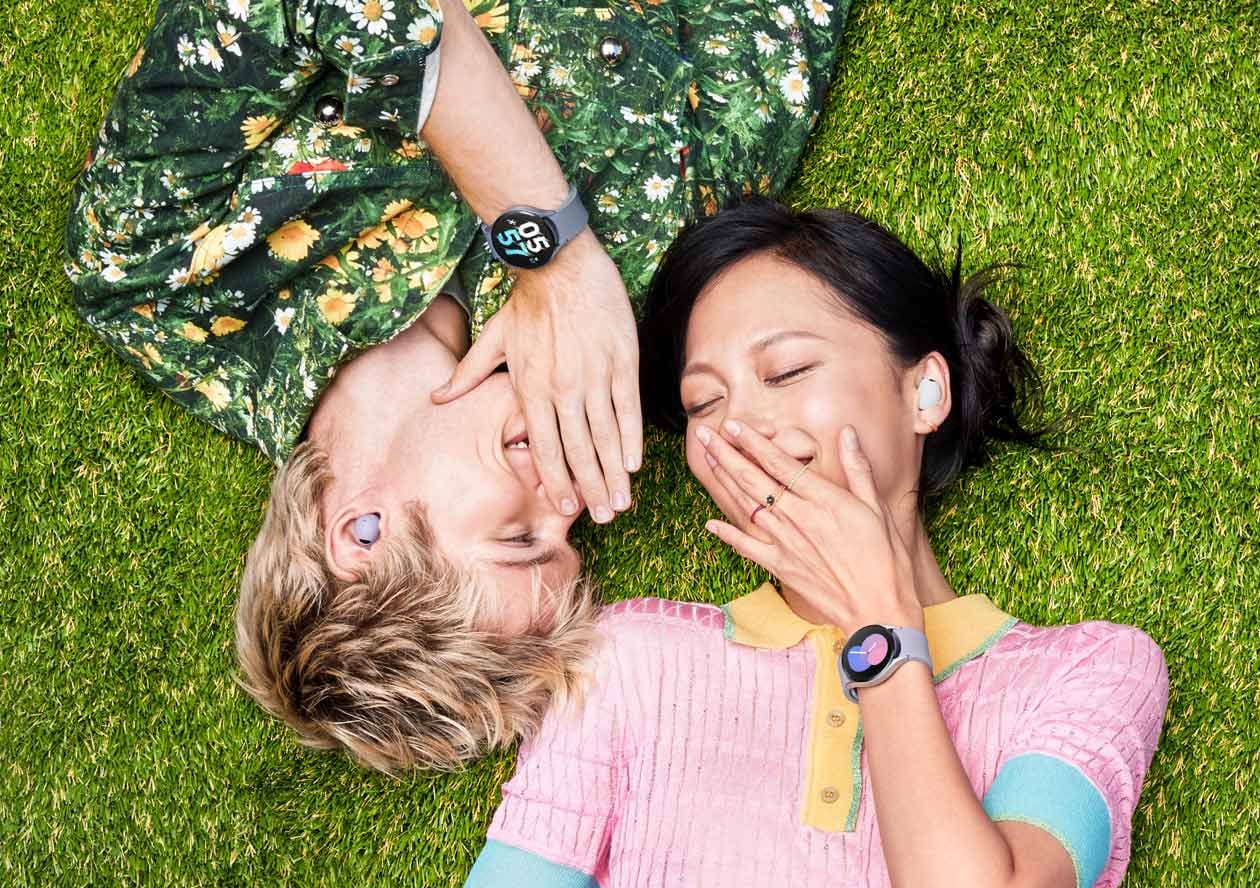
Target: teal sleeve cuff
pixel 1052 794
pixel 504 866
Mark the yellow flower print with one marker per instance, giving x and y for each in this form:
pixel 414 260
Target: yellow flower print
pixel 214 391
pixel 409 149
pixel 383 292
pixel 134 65
pixel 145 310
pixel 493 20
pixel 336 305
pixel 393 208
pixel 209 253
pixel 292 240
pixel 371 238
pixel 414 223
pixel 491 281
pixel 226 324
pixel 345 129
pixel 693 95
pixel 330 261
pixel 383 270
pixel 257 129
pixel 151 350
pixel 192 332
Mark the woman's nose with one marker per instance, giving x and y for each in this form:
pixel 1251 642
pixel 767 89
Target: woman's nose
pixel 756 416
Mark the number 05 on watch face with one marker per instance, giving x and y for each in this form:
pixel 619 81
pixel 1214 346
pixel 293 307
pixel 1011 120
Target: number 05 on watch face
pixel 524 240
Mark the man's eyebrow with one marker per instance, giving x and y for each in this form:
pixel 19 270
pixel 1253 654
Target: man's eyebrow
pixel 545 557
pixel 760 345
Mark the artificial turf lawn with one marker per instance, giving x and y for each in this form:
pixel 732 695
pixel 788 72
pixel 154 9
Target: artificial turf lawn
pixel 1110 148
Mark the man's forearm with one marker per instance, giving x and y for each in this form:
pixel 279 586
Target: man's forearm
pixel 481 131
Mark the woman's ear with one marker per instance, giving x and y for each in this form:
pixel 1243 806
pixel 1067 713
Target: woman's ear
pixel 350 537
pixel 933 398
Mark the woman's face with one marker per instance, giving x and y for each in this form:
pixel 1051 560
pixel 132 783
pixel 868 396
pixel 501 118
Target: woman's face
pixel 769 346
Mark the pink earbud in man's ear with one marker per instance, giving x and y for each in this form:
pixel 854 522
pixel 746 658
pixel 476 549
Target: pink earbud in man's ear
pixel 367 528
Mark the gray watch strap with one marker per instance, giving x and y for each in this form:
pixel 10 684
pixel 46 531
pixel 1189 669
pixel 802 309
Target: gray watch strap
pixel 914 646
pixel 569 219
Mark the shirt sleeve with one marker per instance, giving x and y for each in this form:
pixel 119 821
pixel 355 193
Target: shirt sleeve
pixel 1077 761
pixel 388 52
pixel 561 803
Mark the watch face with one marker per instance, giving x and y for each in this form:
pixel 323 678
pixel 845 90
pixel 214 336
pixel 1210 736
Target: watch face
pixel 524 239
pixel 867 653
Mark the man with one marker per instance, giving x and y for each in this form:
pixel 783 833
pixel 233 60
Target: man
pixel 280 227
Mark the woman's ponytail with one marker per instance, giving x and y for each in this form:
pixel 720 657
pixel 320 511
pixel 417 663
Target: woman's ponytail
pixel 993 384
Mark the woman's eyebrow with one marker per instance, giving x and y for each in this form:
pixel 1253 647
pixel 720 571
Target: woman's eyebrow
pixel 759 346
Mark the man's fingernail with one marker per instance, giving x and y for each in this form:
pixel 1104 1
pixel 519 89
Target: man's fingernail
pixel 442 389
pixel 731 426
pixel 603 514
pixel 621 500
pixel 567 506
pixel 703 434
pixel 849 438
pixel 540 491
pixel 632 465
pixel 708 457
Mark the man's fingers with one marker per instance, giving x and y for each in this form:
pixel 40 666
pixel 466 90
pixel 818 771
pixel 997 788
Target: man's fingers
pixel 481 360
pixel 625 398
pixel 548 455
pixel 599 413
pixel 579 452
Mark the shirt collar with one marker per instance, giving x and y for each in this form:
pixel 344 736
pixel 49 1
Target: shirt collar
pixel 957 631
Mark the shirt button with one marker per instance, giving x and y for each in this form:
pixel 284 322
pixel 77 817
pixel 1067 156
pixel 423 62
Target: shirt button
pixel 389 80
pixel 328 111
pixel 612 50
pixel 830 795
pixel 835 718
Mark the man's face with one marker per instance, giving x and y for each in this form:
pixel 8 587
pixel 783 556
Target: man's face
pixel 468 464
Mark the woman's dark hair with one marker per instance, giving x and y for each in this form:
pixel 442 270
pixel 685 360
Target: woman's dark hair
pixel 882 282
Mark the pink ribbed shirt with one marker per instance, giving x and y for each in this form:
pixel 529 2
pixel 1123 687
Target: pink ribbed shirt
pixel 687 762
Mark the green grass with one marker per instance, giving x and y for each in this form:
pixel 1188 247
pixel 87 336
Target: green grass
pixel 1110 147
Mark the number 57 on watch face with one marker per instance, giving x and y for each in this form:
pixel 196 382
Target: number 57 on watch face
pixel 524 240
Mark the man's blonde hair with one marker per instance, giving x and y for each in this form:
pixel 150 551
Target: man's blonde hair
pixel 396 666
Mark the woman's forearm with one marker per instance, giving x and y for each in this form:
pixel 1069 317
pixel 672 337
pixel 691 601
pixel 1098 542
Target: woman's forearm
pixel 481 131
pixel 933 829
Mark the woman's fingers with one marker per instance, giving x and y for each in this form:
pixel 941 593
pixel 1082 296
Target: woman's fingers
pixel 749 478
pixel 857 470
pixel 770 457
pixel 739 505
pixel 745 544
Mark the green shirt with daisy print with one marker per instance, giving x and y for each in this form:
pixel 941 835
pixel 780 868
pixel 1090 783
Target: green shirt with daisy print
pixel 258 206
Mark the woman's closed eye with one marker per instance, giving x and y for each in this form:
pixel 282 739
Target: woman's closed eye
pixel 788 375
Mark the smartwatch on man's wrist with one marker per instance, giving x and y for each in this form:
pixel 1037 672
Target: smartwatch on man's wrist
pixel 873 653
pixel 527 237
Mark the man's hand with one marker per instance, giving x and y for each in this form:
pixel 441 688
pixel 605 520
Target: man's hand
pixel 567 334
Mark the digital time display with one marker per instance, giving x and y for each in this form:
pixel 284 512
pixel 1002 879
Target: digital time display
pixel 524 240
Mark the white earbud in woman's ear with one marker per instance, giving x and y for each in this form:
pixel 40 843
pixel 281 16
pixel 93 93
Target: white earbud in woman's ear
pixel 929 393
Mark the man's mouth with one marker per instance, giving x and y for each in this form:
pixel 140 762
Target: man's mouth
pixel 517 442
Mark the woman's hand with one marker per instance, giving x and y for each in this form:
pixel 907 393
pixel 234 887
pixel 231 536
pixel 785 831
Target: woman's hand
pixel 834 545
pixel 567 334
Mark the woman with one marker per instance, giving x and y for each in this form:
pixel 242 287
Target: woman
pixel 278 226
pixel 862 724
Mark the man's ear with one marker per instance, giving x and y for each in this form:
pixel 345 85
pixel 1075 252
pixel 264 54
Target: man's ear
pixel 932 409
pixel 347 554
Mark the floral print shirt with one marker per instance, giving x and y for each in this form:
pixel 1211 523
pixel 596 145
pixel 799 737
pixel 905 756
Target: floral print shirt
pixel 258 206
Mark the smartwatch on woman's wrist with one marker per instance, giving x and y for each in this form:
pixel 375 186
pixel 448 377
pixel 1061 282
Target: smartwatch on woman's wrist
pixel 873 653
pixel 527 237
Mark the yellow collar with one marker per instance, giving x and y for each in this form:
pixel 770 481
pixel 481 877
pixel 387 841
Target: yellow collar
pixel 957 630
